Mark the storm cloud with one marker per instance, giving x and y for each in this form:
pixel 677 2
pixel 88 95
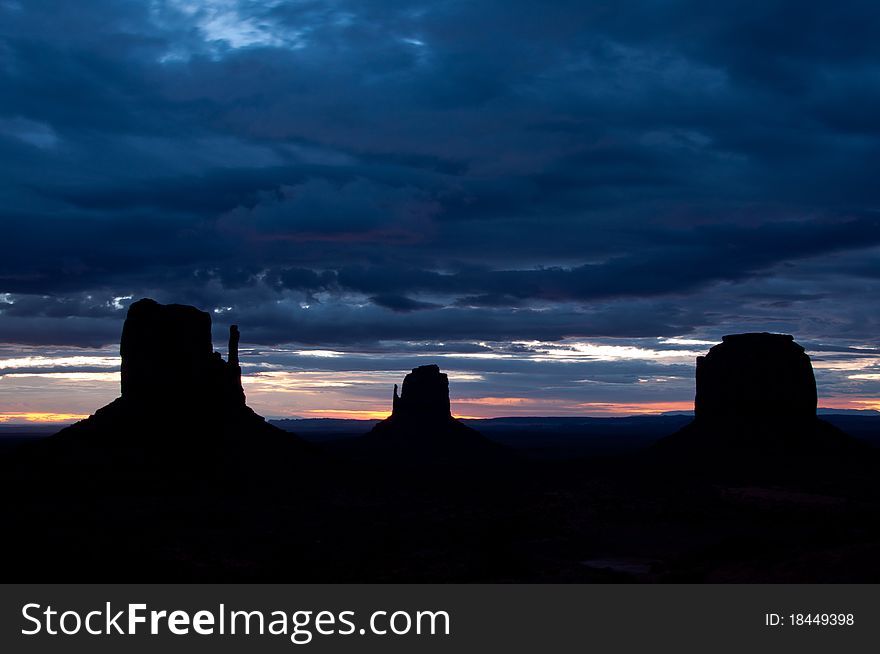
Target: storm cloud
pixel 352 174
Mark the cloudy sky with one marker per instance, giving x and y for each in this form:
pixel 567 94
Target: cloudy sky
pixel 560 203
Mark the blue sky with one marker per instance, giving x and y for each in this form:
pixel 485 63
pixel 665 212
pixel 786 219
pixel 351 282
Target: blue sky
pixel 561 203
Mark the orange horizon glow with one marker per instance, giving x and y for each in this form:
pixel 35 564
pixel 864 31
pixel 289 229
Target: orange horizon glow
pixel 537 407
pixel 35 416
pixel 494 408
pixel 559 408
pixel 644 408
pixel 862 403
pixel 344 414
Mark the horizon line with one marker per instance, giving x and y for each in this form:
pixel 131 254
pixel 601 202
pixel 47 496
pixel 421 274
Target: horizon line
pixel 22 419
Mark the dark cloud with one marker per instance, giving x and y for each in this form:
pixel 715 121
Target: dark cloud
pixel 349 172
pixel 401 303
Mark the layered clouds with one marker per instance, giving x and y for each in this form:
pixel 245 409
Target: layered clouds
pixel 393 181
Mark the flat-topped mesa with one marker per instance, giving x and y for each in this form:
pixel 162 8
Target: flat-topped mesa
pixel 425 395
pixel 755 414
pixel 755 375
pixel 168 357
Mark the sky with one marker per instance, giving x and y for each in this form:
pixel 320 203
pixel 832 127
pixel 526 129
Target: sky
pixel 562 204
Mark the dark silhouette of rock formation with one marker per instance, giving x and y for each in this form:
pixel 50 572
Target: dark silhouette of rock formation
pixel 421 425
pixel 168 358
pixel 425 396
pixel 182 407
pixel 767 375
pixel 756 400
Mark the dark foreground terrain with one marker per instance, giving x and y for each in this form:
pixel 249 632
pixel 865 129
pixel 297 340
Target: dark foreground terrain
pixel 569 501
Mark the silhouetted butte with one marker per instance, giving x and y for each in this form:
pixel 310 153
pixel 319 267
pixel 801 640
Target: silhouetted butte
pixel 421 426
pixel 182 407
pixel 755 375
pixel 756 400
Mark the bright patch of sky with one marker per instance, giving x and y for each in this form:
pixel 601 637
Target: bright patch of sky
pixel 571 377
pixel 228 24
pixel 72 361
pixel 605 352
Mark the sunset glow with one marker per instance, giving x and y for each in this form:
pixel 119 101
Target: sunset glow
pixel 343 414
pixel 852 403
pixel 574 378
pixel 12 417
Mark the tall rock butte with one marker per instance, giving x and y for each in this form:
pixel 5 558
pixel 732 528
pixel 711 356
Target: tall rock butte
pixel 425 396
pixel 421 425
pixel 766 375
pixel 181 403
pixel 168 360
pixel 756 394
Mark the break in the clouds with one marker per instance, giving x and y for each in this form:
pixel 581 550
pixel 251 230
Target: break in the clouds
pixel 405 180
